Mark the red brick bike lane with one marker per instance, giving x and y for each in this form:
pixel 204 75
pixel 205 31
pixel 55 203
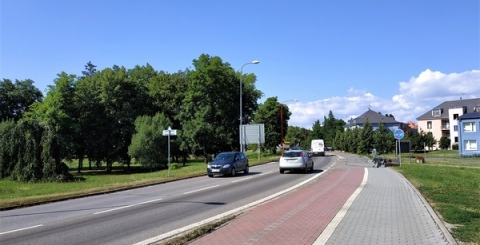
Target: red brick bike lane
pixel 297 217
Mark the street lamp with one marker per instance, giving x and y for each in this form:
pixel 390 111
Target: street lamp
pixel 281 117
pixel 241 113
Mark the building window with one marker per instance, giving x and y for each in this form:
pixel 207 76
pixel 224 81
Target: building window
pixel 456 139
pixel 469 127
pixel 470 145
pixel 455 128
pixel 429 124
pixel 437 112
pixel 455 116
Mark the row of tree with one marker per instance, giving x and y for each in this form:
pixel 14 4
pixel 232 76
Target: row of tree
pixel 118 114
pixel 361 140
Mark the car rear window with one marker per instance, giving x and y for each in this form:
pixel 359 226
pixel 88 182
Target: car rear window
pixel 292 154
pixel 224 156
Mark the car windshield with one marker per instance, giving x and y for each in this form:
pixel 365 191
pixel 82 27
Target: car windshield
pixel 292 154
pixel 224 157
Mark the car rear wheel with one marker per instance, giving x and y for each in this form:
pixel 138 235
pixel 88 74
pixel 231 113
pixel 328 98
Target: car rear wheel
pixel 313 164
pixel 246 170
pixel 233 172
pixel 282 171
pixel 210 175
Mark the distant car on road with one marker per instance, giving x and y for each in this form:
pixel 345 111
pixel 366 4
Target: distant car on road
pixel 228 163
pixel 318 147
pixel 329 148
pixel 296 160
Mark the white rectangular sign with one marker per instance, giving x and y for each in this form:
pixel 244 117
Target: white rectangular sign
pixel 172 132
pixel 253 133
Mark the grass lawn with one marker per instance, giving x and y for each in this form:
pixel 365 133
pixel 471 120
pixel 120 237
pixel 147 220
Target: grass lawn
pixel 453 192
pixel 14 193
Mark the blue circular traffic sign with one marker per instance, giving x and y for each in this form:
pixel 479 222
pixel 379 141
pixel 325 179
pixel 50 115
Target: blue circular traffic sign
pixel 398 134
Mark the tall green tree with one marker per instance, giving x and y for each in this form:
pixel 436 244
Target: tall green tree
pixel 329 128
pixel 124 99
pixel 381 141
pixel 166 91
pixel 416 139
pixel 90 69
pixel 210 109
pixel 366 140
pixel 268 114
pixel 58 112
pixel 8 149
pixel 30 152
pixel 149 147
pixel 317 130
pixel 15 98
pixel 297 136
pixel 92 120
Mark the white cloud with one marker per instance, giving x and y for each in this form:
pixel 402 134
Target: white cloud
pixel 414 98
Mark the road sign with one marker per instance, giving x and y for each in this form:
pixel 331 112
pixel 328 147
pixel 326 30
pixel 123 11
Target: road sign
pixel 398 134
pixel 252 133
pixel 169 132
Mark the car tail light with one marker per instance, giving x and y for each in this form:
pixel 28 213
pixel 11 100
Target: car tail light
pixel 301 154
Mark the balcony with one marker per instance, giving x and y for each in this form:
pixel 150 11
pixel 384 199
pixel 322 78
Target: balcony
pixel 445 126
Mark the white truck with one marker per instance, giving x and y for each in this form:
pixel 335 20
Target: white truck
pixel 318 147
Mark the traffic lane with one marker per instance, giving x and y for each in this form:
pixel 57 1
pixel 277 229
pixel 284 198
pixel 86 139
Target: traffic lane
pixel 136 223
pixel 52 212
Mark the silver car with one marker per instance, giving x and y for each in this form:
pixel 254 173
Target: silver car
pixel 296 160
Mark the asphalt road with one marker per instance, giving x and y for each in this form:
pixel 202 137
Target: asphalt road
pixel 133 216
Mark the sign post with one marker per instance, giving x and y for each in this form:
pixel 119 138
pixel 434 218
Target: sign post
pixel 399 135
pixel 252 133
pixel 169 132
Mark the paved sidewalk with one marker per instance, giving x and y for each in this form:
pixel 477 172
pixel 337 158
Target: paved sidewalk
pixel 353 203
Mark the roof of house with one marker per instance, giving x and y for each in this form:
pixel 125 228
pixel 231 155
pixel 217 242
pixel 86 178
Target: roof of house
pixel 412 124
pixel 471 115
pixel 372 117
pixel 469 103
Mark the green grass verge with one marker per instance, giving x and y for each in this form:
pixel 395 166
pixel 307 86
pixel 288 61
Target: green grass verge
pixel 454 193
pixel 13 193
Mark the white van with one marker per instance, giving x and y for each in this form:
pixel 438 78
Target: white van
pixel 318 147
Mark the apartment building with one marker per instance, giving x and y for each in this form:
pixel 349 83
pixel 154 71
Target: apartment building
pixel 442 120
pixel 469 133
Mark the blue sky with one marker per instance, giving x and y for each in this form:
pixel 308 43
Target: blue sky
pixel 398 57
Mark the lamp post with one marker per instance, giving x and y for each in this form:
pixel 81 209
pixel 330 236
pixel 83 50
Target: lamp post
pixel 254 62
pixel 281 118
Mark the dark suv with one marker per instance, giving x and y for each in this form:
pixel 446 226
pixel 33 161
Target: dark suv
pixel 228 163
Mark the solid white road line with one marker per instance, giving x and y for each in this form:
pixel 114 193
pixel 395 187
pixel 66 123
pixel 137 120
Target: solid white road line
pixel 242 179
pixel 265 173
pixel 26 228
pixel 323 238
pixel 206 188
pixel 136 204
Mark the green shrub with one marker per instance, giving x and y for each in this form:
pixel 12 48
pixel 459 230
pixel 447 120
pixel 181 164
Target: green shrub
pixel 175 165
